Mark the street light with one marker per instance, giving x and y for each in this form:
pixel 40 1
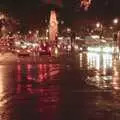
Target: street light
pixel 115 21
pixel 98 25
pixel 2 16
pixel 68 30
pixel 115 34
pixel 30 32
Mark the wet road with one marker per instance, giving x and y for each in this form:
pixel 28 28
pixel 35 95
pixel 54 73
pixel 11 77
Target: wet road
pixel 83 87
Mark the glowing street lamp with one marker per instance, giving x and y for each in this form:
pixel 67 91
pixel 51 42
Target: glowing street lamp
pixel 68 30
pixel 2 16
pixel 62 22
pixel 115 21
pixel 30 32
pixel 98 25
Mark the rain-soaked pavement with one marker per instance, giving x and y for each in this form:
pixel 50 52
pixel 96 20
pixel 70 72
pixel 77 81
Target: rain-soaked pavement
pixel 81 87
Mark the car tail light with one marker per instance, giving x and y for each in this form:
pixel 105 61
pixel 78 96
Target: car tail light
pixel 50 48
pixel 18 51
pixel 56 51
pixel 28 50
pixel 58 46
pixel 44 45
pixel 40 49
pixel 69 46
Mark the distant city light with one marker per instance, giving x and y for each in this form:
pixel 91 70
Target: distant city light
pixel 98 25
pixel 68 30
pixel 30 32
pixel 2 16
pixel 62 22
pixel 95 36
pixel 101 49
pixel 115 21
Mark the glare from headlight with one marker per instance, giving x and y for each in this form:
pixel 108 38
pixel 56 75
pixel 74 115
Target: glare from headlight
pixel 76 47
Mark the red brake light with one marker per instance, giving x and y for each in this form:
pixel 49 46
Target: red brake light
pixel 50 48
pixel 40 48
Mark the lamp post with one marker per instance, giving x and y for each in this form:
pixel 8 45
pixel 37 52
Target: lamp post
pixel 115 21
pixel 115 31
pixel 99 26
pixel 115 37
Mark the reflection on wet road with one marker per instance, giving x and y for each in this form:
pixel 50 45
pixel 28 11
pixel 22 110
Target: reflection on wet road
pixel 103 69
pixel 54 89
pixel 28 91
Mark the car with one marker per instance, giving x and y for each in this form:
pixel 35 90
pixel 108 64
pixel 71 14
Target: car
pixel 45 49
pixel 23 52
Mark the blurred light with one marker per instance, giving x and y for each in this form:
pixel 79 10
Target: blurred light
pixel 23 46
pixel 95 36
pixel 97 49
pixel 60 38
pixel 107 49
pixel 81 48
pixel 18 51
pixel 28 51
pixel 101 49
pixel 68 30
pixel 85 3
pixel 2 16
pixel 56 51
pixel 17 43
pixel 35 45
pixel 77 38
pixel 111 27
pixel 50 48
pixel 47 30
pixel 58 46
pixel 18 32
pixel 37 31
pixel 98 25
pixel 29 66
pixel 69 47
pixel 94 60
pixel 115 21
pixel 30 32
pixel 76 47
pixel 62 22
pixel 46 38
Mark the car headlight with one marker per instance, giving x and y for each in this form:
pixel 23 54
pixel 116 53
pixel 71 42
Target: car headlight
pixel 28 50
pixel 76 47
pixel 18 51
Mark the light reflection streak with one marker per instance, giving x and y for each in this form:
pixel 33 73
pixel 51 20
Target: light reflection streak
pixel 2 75
pixel 49 101
pixel 29 67
pixel 81 65
pixel 18 73
pixel 35 74
pixel 116 76
pixel 94 60
pixel 101 64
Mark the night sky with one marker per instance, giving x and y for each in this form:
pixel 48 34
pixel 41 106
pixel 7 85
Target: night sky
pixel 33 11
